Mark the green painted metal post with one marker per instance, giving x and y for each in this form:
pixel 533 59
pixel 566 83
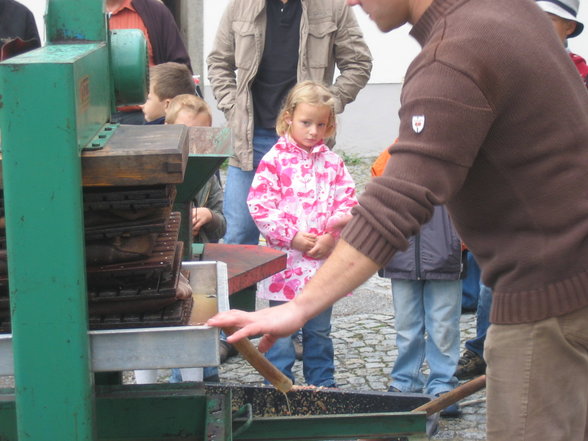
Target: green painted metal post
pixel 50 107
pixel 75 20
pixel 54 100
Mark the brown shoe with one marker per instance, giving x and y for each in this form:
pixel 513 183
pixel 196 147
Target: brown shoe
pixel 470 365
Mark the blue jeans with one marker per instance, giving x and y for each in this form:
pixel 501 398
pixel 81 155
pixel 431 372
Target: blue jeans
pixel 482 321
pixel 427 316
pixel 471 284
pixel 318 364
pixel 240 226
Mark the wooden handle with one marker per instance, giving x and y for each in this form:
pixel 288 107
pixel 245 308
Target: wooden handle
pixel 453 396
pixel 260 363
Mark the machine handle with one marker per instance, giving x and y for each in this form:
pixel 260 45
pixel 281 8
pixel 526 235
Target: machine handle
pixel 453 396
pixel 260 363
pixel 246 410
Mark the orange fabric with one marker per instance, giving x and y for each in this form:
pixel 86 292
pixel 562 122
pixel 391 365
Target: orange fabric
pixel 380 163
pixel 126 17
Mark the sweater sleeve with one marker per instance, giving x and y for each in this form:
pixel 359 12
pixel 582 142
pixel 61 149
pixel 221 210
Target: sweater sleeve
pixel 216 228
pixel 431 161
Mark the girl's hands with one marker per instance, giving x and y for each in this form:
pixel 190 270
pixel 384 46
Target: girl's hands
pixel 303 242
pixel 323 247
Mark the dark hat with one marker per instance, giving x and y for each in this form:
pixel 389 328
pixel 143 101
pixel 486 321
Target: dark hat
pixel 567 9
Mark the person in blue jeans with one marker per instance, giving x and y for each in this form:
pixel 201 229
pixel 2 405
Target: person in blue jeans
pixel 251 78
pixel 470 283
pixel 317 359
pixel 240 226
pixel 472 361
pixel 426 294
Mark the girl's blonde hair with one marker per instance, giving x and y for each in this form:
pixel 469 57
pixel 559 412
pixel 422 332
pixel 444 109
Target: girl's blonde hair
pixel 189 102
pixel 308 92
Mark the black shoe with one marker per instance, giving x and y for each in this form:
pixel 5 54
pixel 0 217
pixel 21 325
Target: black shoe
pixel 298 348
pixel 470 365
pixel 226 350
pixel 451 411
pixel 394 390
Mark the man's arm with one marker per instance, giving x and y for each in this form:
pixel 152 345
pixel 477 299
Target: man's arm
pixel 342 272
pixel 352 56
pixel 221 64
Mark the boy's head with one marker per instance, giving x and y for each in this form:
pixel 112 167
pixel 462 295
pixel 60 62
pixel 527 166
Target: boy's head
pixel 563 14
pixel 189 110
pixel 166 81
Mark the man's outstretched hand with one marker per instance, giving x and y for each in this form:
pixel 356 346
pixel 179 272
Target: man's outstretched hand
pixel 272 323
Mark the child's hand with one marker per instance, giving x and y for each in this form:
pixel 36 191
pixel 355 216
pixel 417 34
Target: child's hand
pixel 303 242
pixel 323 247
pixel 200 217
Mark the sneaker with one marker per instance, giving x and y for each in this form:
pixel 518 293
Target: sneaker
pixel 226 350
pixel 298 348
pixel 470 365
pixel 451 411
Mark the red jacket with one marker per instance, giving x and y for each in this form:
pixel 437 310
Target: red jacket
pixel 581 66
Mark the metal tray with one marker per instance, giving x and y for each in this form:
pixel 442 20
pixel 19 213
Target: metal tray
pixel 263 413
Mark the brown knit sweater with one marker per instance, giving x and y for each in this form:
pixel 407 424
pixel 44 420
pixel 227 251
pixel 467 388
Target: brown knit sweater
pixel 504 144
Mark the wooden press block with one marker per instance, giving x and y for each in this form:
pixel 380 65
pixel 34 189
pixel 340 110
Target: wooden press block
pixel 138 155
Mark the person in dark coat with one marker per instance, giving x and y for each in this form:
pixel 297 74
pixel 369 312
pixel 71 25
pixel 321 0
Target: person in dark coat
pixel 18 30
pixel 164 41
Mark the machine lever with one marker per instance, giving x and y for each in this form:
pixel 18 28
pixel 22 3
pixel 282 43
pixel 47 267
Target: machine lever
pixel 260 363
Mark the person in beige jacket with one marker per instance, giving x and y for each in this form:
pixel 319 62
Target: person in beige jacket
pixel 263 48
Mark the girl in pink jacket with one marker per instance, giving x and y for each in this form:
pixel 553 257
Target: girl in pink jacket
pixel 300 198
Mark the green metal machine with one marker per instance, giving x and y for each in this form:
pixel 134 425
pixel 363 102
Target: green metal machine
pixel 55 102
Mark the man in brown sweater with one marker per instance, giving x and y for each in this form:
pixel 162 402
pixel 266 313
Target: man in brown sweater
pixel 494 124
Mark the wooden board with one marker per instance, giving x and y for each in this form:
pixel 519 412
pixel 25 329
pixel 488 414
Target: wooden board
pixel 246 264
pixel 138 155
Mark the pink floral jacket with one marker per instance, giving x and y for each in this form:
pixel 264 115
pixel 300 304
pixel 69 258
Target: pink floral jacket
pixel 292 191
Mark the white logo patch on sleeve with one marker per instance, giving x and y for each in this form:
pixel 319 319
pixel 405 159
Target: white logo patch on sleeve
pixel 418 123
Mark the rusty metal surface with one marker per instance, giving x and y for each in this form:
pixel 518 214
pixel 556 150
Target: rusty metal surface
pixel 247 264
pixel 161 260
pixel 175 314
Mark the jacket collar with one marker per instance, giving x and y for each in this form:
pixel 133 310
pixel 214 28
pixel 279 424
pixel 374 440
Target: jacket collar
pixel 293 146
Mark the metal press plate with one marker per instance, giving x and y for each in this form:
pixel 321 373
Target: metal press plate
pixel 152 348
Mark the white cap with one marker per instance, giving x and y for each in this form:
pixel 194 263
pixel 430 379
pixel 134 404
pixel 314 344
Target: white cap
pixel 566 9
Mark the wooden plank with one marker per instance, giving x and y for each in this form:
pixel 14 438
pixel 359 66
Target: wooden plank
pixel 138 155
pixel 246 264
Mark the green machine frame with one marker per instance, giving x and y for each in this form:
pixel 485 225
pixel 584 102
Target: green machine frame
pixel 55 101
